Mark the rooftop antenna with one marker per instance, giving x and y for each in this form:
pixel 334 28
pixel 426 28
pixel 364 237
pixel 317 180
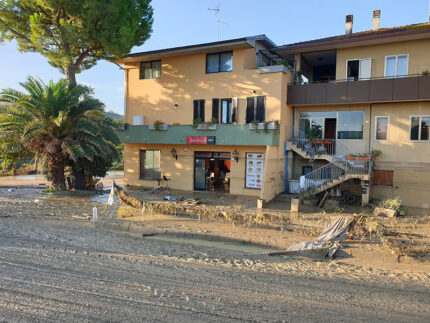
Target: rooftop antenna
pixel 217 11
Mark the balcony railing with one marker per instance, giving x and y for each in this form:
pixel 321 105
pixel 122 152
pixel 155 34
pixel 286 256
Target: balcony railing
pixel 409 88
pixel 224 134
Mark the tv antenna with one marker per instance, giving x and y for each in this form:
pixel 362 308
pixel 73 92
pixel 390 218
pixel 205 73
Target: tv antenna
pixel 217 12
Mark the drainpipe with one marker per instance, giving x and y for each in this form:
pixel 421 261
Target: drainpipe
pixel 370 127
pixel 125 93
pixel 286 188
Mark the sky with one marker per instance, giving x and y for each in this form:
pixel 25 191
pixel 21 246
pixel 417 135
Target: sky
pixel 188 22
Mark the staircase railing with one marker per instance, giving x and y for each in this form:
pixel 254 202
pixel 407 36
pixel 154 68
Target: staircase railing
pixel 318 147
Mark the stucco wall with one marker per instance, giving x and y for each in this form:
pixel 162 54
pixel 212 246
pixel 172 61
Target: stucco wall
pixel 418 51
pixel 181 171
pixel 184 79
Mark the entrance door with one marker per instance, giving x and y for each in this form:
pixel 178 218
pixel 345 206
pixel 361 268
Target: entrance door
pixel 200 174
pixel 330 133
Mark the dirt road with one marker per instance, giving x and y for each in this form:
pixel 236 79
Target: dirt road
pixel 57 269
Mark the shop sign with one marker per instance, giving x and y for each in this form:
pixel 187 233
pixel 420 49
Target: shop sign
pixel 200 140
pixel 254 170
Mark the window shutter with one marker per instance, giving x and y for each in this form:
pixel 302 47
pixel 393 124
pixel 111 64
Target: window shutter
pixel 234 111
pixel 202 110
pixel 215 109
pixel 261 108
pixel 249 109
pixel 142 163
pixel 196 110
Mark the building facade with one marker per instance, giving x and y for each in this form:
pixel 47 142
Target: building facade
pixel 293 118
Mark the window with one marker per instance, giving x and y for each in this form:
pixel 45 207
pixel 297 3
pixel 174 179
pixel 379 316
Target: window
pixel 396 66
pixel 225 111
pixel 137 120
pixel 350 125
pixel 199 110
pixel 381 129
pixel 420 128
pixel 306 170
pixel 150 164
pixel 358 69
pixel 255 109
pixel 383 177
pixel 150 70
pixel 219 62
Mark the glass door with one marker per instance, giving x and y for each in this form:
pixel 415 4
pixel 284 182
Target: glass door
pixel 200 174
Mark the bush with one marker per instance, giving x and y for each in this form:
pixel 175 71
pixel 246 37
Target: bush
pixel 394 204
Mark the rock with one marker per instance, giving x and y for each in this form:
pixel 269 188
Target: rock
pixel 380 211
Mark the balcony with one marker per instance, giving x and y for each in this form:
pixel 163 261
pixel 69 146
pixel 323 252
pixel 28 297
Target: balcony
pixel 375 90
pixel 234 135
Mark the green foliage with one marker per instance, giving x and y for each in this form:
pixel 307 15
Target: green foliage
pixel 394 204
pixel 60 123
pixel 158 124
pixel 312 134
pixel 375 153
pixel 75 34
pixel 196 122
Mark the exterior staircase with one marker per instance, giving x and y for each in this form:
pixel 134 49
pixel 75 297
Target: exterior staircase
pixel 337 171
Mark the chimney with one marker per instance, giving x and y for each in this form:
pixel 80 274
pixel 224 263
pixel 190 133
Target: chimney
pixel 348 24
pixel 376 19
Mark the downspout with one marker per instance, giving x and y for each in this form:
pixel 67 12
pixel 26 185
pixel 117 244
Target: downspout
pixel 125 93
pixel 286 187
pixel 370 127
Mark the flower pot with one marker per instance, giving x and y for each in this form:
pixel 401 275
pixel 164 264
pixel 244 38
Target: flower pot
pixel 363 158
pixel 204 126
pixel 350 157
pixel 162 127
pixel 308 202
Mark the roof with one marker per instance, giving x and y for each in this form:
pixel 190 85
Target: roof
pixel 244 42
pixel 368 35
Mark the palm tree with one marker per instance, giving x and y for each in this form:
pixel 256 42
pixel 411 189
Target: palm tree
pixel 58 122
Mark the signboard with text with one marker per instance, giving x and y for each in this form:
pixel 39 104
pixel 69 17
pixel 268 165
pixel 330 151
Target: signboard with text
pixel 200 140
pixel 254 170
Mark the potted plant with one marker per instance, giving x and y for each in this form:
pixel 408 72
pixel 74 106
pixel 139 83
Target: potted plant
pixel 254 125
pixel 363 157
pixel 208 125
pixel 158 125
pixel 196 122
pixel 351 157
pixel 375 153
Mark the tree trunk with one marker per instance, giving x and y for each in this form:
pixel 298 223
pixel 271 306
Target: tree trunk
pixel 14 169
pixel 78 179
pixel 36 165
pixel 70 73
pixel 56 171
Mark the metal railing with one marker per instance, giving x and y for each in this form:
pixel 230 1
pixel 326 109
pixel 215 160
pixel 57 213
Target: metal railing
pixel 340 165
pixel 332 171
pixel 318 147
pixel 351 79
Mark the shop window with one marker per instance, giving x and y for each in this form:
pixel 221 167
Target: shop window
pixel 350 125
pixel 199 110
pixel 219 62
pixel 381 129
pixel 420 128
pixel 150 70
pixel 255 109
pixel 383 177
pixel 150 164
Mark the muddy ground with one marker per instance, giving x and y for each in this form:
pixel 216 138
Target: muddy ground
pixel 57 266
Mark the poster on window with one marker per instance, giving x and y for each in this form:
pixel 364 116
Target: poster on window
pixel 254 170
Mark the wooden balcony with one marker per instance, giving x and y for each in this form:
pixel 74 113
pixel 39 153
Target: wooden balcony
pixel 377 90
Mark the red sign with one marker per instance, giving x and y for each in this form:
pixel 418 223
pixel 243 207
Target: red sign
pixel 197 140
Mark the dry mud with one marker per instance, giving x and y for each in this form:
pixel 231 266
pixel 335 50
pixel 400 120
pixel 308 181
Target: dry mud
pixel 58 268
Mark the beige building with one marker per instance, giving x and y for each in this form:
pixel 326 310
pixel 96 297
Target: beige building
pixel 248 117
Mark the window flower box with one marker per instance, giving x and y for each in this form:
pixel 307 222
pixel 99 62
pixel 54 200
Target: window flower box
pixel 260 126
pixel 323 142
pixel 350 157
pixel 204 126
pixel 365 158
pixel 161 127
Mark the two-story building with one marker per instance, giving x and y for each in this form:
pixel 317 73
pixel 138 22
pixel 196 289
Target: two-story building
pixel 202 116
pixel 248 117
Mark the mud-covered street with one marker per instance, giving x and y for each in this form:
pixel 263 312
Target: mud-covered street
pixel 63 269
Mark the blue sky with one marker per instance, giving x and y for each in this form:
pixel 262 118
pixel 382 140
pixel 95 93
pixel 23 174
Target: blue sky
pixel 187 22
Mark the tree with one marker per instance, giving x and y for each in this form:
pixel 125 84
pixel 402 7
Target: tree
pixel 58 122
pixel 74 34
